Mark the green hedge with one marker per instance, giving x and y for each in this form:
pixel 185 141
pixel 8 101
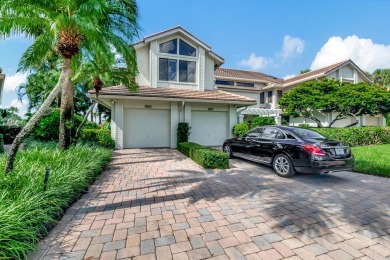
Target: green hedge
pixel 205 156
pixel 260 121
pixel 100 136
pixel 358 136
pixel 240 129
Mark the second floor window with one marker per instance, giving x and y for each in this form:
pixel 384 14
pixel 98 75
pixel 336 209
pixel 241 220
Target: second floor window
pixel 262 98
pixel 169 69
pixel 269 100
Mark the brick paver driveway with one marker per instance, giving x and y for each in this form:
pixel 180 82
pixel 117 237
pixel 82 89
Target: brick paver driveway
pixel 159 204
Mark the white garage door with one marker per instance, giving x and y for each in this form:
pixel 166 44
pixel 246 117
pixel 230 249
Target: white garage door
pixel 146 128
pixel 209 128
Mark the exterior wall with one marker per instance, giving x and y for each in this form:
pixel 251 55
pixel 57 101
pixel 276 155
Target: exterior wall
pixel 209 74
pixel 149 76
pixel 254 95
pixel 118 124
pixel 2 79
pixel 143 78
pixel 174 123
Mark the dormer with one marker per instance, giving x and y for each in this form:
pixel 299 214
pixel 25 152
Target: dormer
pixel 176 59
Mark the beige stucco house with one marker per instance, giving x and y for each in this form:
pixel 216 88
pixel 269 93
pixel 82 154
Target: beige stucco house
pixel 176 78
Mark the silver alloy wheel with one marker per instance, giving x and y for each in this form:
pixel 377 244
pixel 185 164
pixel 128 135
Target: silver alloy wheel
pixel 226 149
pixel 282 166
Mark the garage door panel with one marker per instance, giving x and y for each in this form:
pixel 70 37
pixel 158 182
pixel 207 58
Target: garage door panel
pixel 146 128
pixel 208 128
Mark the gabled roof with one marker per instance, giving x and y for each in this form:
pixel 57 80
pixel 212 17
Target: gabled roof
pixel 173 94
pixel 179 29
pixel 323 72
pixel 225 73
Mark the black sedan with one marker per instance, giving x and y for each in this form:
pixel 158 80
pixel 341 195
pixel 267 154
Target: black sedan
pixel 290 149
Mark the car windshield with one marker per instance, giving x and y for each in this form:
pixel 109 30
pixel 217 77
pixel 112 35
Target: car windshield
pixel 308 134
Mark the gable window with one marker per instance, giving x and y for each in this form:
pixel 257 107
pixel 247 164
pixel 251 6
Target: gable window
pixel 179 68
pixel 186 49
pixel 169 47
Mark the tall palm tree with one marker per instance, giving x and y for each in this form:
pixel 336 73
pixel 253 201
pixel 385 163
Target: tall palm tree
pixel 75 29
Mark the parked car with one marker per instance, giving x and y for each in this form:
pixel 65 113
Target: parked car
pixel 290 149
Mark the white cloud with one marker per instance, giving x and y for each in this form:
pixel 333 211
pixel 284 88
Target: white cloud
pixel 12 82
pixel 20 105
pixel 368 55
pixel 256 62
pixel 292 46
pixel 289 76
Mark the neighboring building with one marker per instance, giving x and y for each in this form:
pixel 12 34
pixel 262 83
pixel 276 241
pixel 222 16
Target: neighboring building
pixel 2 79
pixel 267 90
pixel 176 75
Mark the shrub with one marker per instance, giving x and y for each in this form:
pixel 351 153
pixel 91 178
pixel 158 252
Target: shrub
pixel 48 127
pixel 1 143
pixel 260 121
pixel 26 211
pixel 205 156
pixel 101 137
pixel 183 131
pixel 358 136
pixel 387 119
pixel 304 125
pixel 240 129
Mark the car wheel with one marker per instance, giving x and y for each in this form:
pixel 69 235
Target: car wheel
pixel 228 150
pixel 283 166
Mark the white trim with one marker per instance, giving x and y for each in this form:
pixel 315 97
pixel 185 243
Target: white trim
pixel 350 62
pixel 213 101
pixel 304 79
pixel 241 79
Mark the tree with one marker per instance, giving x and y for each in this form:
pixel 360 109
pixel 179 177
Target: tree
pixel 332 96
pixel 75 29
pixel 381 78
pixel 309 98
pixel 304 71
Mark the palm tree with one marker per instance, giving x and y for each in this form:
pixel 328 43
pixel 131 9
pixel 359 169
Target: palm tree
pixel 75 29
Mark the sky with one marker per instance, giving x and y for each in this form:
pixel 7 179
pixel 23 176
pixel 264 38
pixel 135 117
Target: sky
pixel 276 37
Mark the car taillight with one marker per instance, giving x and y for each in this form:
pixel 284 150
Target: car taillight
pixel 313 149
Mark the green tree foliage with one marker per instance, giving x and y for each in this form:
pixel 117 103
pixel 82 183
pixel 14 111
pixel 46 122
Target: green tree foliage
pixel 260 121
pixel 333 96
pixel 304 71
pixel 381 78
pixel 240 129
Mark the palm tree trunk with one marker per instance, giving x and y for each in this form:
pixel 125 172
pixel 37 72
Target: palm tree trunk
pixel 84 120
pixel 66 114
pixel 65 74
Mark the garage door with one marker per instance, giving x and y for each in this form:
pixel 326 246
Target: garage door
pixel 209 128
pixel 146 128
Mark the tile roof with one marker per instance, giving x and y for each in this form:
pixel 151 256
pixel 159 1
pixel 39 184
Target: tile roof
pixel 245 75
pixel 172 93
pixel 257 89
pixel 315 72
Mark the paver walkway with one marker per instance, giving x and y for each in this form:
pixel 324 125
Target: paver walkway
pixel 156 203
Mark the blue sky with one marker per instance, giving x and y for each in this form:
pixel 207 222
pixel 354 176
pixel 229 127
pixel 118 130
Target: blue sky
pixel 278 37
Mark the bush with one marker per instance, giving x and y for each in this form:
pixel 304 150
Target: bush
pixel 205 156
pixel 183 131
pixel 357 136
pixel 260 121
pixel 100 137
pixel 304 126
pixel 387 119
pixel 1 144
pixel 48 127
pixel 240 129
pixel 26 211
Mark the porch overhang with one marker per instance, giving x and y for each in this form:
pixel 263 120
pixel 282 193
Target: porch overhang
pixel 261 111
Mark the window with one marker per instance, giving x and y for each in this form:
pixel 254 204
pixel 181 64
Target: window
pixel 245 84
pixel 167 70
pixel 169 47
pixel 254 133
pixel 262 98
pixel 186 49
pixel 269 100
pixel 177 69
pixel 273 133
pixel 279 94
pixel 187 71
pixel 223 82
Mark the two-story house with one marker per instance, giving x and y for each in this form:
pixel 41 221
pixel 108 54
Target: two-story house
pixel 176 78
pixel 267 90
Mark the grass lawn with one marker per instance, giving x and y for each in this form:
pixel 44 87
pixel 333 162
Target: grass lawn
pixel 373 159
pixel 26 211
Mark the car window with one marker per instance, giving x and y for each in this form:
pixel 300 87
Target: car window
pixel 305 133
pixel 256 132
pixel 273 133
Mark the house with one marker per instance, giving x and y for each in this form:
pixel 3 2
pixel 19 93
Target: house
pixel 2 79
pixel 176 78
pixel 267 90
